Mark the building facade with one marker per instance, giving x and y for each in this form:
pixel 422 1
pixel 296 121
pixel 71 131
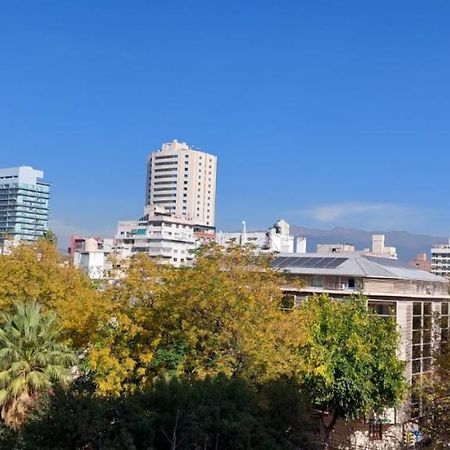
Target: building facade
pixel 277 239
pixel 440 260
pixel 92 255
pixel 24 203
pixel 160 235
pixel 182 180
pixel 378 248
pixel 421 262
pixel 417 300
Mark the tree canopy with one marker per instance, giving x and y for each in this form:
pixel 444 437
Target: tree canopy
pixel 32 360
pixel 223 315
pixel 353 368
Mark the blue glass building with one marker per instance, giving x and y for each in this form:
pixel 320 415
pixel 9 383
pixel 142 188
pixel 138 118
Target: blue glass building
pixel 24 203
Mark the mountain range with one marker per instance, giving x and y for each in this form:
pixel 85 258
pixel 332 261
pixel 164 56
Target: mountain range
pixel 408 244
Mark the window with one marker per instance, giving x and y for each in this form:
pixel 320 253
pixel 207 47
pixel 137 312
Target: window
pixel 375 429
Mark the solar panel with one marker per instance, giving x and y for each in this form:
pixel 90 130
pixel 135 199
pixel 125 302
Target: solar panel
pixel 278 262
pixel 309 262
pixel 388 262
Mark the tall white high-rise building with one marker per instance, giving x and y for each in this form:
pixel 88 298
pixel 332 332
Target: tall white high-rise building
pixel 183 181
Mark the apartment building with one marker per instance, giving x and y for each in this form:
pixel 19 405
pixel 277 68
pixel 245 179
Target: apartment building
pixel 24 203
pixel 378 248
pixel 440 260
pixel 182 180
pixel 92 255
pixel 276 239
pixel 159 234
pixel 415 299
pixel 421 262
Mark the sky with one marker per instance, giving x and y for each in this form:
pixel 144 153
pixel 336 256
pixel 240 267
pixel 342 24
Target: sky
pixel 322 112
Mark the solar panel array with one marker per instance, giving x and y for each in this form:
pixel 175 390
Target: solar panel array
pixel 308 262
pixel 387 262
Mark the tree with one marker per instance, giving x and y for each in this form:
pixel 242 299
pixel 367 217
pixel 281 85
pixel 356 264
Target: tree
pixel 352 367
pixel 433 392
pixel 32 360
pixel 217 412
pixel 38 271
pixel 223 315
pixel 50 237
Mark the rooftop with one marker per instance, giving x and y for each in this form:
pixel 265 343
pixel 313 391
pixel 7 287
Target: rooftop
pixel 351 264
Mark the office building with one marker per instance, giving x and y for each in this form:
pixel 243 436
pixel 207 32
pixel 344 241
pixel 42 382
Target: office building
pixel 24 203
pixel 182 180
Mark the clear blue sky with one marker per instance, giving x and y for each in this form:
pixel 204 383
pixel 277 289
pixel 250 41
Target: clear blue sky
pixel 321 112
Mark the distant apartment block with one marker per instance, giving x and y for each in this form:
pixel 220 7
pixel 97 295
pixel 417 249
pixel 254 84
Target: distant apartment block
pixel 277 239
pixel 92 255
pixel 440 260
pixel 160 235
pixel 378 249
pixel 24 203
pixel 421 262
pixel 418 301
pixel 182 180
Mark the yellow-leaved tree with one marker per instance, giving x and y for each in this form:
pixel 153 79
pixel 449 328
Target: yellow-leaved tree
pixel 38 272
pixel 223 315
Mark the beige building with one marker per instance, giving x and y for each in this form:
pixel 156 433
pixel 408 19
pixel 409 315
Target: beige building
pixel 183 181
pixel 417 300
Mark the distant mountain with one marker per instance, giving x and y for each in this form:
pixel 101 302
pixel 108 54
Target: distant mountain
pixel 408 244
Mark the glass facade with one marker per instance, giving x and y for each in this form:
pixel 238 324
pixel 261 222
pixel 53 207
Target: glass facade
pixel 23 210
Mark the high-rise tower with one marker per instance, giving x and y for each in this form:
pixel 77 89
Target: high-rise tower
pixel 24 199
pixel 183 181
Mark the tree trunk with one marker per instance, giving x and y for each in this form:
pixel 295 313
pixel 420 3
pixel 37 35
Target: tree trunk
pixel 328 429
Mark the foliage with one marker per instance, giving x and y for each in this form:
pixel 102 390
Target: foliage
pixel 223 315
pixel 32 360
pixel 50 237
pixel 435 398
pixel 210 414
pixel 37 271
pixel 351 355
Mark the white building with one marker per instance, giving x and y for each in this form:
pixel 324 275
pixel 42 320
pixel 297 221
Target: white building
pixel 158 234
pixel 183 181
pixel 93 257
pixel 277 239
pixel 440 260
pixel 379 249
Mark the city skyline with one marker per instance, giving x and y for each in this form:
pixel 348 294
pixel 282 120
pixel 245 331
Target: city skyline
pixel 335 119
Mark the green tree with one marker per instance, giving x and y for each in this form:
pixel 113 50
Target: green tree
pixel 214 413
pixel 32 360
pixel 352 367
pixel 50 237
pixel 433 392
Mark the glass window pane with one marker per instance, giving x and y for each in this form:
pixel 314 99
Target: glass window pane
pixel 417 323
pixel 416 351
